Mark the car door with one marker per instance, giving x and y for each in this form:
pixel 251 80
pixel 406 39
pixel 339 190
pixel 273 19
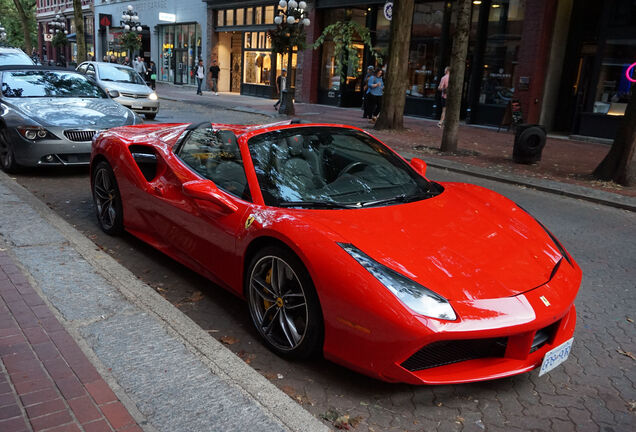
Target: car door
pixel 200 203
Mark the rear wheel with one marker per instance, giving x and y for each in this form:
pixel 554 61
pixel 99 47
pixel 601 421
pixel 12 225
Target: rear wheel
pixel 7 157
pixel 283 303
pixel 107 199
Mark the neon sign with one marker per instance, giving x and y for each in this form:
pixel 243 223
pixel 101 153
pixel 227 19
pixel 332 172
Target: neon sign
pixel 628 72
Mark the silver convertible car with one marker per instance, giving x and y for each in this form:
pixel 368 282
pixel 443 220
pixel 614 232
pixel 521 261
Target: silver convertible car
pixel 49 116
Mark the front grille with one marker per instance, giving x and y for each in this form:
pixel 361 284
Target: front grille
pixel 454 351
pixel 80 135
pixel 133 95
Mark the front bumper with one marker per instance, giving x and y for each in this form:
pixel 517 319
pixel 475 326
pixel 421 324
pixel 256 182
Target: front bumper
pixel 49 152
pixel 490 339
pixel 139 105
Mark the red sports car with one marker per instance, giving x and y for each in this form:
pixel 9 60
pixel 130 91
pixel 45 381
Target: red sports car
pixel 342 247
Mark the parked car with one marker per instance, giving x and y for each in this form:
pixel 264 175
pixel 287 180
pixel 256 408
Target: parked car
pixel 341 247
pixel 134 93
pixel 14 56
pixel 49 116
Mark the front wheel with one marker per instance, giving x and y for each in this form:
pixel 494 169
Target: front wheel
pixel 283 303
pixel 7 157
pixel 108 204
pixel 150 116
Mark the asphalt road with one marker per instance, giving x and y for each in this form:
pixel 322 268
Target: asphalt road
pixel 594 390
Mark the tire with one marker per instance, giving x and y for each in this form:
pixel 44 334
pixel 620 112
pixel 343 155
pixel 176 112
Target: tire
pixel 529 144
pixel 286 316
pixel 107 199
pixel 7 157
pixel 150 116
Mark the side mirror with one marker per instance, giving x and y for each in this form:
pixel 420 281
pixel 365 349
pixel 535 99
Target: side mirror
pixel 113 93
pixel 419 165
pixel 207 192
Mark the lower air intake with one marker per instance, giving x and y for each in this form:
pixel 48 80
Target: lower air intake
pixel 455 351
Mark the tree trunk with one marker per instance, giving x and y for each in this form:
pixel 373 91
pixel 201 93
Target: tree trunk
pixel 393 99
pixel 456 79
pixel 28 46
pixel 79 31
pixel 619 164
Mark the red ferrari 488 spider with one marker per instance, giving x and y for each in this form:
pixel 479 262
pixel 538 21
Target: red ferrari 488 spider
pixel 341 247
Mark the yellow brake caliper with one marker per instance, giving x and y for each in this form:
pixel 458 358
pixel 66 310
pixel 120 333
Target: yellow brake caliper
pixel 268 281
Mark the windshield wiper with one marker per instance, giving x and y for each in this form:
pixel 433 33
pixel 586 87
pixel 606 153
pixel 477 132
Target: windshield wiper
pixel 403 198
pixel 317 204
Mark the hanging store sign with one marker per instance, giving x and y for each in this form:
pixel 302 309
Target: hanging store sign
pixel 388 10
pixel 628 73
pixel 167 17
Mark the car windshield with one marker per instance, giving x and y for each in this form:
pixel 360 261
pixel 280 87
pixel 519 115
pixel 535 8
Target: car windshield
pixel 48 83
pixel 14 58
pixel 109 72
pixel 326 167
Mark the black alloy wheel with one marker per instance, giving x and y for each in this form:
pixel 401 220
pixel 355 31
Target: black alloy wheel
pixel 107 199
pixel 7 158
pixel 283 304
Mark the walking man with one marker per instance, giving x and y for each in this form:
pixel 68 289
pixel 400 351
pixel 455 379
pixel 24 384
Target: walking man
pixel 140 66
pixel 214 77
pixel 200 72
pixel 281 84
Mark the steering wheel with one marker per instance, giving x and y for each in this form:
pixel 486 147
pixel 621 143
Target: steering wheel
pixel 351 167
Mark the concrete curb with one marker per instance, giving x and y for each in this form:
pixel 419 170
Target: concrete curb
pixel 220 360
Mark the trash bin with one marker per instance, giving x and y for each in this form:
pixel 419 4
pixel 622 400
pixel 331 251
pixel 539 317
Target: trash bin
pixel 529 143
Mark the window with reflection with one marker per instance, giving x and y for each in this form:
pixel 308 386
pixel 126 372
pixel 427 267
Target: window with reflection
pixel 613 89
pixel 214 154
pixel 425 45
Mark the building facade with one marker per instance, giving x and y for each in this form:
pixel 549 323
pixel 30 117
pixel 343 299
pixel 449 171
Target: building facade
pixel 564 61
pixel 173 35
pixel 46 12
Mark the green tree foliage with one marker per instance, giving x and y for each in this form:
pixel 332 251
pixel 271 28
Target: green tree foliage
pixel 59 40
pixel 286 36
pixel 11 21
pixel 343 34
pixel 130 40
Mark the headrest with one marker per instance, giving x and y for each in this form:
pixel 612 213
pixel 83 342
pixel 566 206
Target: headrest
pixel 295 143
pixel 228 140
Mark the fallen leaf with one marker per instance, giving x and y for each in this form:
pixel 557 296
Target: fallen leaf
pixel 331 415
pixel 197 296
pixel 629 320
pixel 626 354
pixel 228 340
pixel 631 405
pixel 342 422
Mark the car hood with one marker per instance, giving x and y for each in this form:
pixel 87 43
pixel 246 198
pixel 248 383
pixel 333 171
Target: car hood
pixel 75 112
pixel 126 87
pixel 467 243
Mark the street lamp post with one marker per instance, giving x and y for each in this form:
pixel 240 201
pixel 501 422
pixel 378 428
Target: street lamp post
pixel 291 19
pixel 57 25
pixel 130 23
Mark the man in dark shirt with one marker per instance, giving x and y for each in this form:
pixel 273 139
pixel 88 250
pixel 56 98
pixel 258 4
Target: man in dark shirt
pixel 214 76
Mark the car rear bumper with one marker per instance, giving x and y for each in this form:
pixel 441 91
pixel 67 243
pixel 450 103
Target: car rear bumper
pixel 139 105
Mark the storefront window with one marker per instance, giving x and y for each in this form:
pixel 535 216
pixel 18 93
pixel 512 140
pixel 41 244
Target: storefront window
pixel 229 17
pixel 613 88
pixel 220 18
pixel 424 53
pixel 258 15
pixel 269 14
pixel 249 16
pixel 240 17
pixel 180 50
pixel 505 24
pixel 257 67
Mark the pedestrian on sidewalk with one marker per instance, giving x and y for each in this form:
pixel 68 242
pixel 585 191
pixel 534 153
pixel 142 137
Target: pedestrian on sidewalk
pixel 281 85
pixel 214 77
pixel 443 87
pixel 365 89
pixel 127 61
pixel 200 74
pixel 376 88
pixel 140 66
pixel 152 70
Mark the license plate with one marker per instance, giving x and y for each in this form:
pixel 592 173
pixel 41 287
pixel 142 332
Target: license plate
pixel 137 106
pixel 556 356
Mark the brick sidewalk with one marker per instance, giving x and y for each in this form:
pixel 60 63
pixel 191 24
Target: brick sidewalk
pixel 46 381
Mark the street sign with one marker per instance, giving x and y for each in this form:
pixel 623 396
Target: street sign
pixel 388 10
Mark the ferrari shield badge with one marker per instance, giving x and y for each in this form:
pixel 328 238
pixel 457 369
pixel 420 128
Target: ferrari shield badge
pixel 249 221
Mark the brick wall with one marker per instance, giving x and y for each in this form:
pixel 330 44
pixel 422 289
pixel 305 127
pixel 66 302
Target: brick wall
pixel 534 53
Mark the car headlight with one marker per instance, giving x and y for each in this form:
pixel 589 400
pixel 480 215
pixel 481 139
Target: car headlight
pixel 34 133
pixel 153 96
pixel 416 297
